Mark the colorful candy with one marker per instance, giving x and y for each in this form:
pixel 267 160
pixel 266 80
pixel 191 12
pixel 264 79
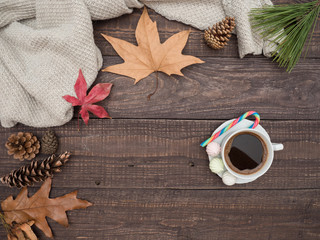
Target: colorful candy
pixel 239 119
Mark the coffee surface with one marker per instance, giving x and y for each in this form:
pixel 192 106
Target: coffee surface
pixel 245 153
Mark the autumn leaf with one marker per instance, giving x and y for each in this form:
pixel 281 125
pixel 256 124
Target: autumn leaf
pixel 39 206
pixel 150 55
pixel 97 94
pixel 22 232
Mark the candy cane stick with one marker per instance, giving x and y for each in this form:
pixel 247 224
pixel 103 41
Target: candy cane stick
pixel 239 119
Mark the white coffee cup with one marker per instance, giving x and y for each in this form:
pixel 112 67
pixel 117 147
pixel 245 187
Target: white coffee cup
pixel 271 147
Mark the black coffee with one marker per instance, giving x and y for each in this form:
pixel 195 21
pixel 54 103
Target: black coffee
pixel 245 153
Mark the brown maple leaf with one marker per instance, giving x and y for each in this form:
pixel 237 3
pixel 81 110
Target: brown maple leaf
pixel 39 206
pixel 150 55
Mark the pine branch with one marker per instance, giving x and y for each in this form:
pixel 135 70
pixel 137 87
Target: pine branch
pixel 288 28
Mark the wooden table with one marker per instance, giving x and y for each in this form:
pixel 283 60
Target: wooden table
pixel 145 171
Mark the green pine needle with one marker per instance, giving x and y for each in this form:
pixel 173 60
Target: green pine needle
pixel 288 28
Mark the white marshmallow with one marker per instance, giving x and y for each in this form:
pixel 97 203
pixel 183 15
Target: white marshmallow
pixel 216 165
pixel 228 179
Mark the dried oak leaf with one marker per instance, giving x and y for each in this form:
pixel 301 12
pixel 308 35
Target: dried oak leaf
pixel 150 55
pixel 97 94
pixel 39 206
pixel 22 232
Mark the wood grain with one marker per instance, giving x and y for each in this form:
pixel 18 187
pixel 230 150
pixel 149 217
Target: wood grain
pixel 146 214
pixel 221 88
pixel 124 28
pixel 166 154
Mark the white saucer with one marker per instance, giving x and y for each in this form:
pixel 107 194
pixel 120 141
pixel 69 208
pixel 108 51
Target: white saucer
pixel 245 123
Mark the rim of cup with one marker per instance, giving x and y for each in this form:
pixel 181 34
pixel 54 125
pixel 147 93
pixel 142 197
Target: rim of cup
pixel 267 164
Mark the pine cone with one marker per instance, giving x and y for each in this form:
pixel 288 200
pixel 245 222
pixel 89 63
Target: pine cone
pixel 49 143
pixel 218 36
pixel 35 171
pixel 23 146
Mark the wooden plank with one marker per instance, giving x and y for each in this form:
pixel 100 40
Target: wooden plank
pixel 221 88
pixel 124 28
pixel 166 154
pixel 190 214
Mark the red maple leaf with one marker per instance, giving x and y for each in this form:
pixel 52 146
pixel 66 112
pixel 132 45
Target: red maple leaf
pixel 97 94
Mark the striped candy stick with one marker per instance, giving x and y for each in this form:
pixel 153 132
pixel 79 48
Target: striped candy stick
pixel 239 119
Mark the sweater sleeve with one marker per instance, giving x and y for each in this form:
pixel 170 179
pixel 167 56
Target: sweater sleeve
pixel 202 14
pixel 15 10
pixel 249 41
pixel 198 13
pixel 102 9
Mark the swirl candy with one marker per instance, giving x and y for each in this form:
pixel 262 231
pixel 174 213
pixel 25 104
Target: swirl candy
pixel 239 119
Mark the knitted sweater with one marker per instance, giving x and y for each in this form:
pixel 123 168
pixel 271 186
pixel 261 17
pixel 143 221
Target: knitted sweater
pixel 43 44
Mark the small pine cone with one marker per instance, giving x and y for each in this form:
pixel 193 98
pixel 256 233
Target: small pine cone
pixel 35 171
pixel 23 146
pixel 218 36
pixel 49 143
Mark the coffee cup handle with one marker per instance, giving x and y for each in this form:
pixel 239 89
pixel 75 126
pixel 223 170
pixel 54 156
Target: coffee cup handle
pixel 277 146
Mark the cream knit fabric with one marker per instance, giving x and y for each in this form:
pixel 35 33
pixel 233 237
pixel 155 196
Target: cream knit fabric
pixel 43 44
